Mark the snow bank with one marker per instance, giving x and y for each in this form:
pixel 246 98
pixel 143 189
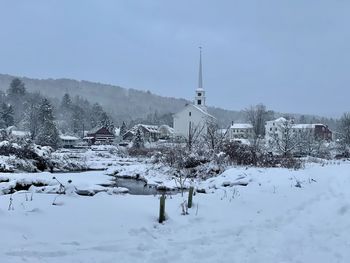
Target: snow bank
pixel 269 220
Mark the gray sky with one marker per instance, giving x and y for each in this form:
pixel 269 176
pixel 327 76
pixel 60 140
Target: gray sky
pixel 293 56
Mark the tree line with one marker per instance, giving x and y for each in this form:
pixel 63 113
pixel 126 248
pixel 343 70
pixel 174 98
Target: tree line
pixel 43 118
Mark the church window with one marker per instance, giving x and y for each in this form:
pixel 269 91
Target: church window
pixel 199 94
pixel 189 114
pixel 199 102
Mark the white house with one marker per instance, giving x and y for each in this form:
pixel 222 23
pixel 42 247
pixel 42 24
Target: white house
pixel 273 128
pixel 240 131
pixel 193 118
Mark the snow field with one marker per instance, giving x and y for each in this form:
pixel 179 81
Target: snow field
pixel 269 220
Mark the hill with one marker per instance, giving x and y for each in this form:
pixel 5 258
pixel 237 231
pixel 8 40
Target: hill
pixel 121 103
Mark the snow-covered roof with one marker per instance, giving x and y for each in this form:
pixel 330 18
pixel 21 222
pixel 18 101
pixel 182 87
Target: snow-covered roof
pixel 307 125
pixel 197 108
pixel 304 126
pixel 19 133
pixel 241 126
pixel 68 138
pixel 149 128
pixel 203 111
pixel 280 119
pixel 166 128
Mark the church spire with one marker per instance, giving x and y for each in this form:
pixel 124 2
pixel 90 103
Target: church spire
pixel 199 99
pixel 200 78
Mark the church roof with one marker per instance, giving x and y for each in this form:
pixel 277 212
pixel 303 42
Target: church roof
pixel 196 108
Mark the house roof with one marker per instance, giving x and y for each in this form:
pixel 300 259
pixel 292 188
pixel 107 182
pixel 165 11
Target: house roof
pixel 307 126
pixel 68 138
pixel 167 128
pixel 149 128
pixel 280 119
pixel 96 129
pixel 197 108
pixel 241 126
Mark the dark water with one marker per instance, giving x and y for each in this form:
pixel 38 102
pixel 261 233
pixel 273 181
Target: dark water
pixel 139 187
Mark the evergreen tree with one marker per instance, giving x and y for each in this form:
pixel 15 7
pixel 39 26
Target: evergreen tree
pixel 96 113
pixel 106 122
pixel 16 88
pixel 66 103
pixel 344 131
pixel 123 129
pixel 31 118
pixel 48 133
pixel 6 115
pixel 76 119
pixel 139 141
pixel 16 96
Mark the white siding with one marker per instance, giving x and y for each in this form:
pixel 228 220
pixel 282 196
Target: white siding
pixel 190 114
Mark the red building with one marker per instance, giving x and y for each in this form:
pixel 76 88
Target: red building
pixel 99 136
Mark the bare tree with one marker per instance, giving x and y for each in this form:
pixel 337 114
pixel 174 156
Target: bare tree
pixel 285 140
pixel 194 134
pixel 214 137
pixel 257 116
pixel 307 143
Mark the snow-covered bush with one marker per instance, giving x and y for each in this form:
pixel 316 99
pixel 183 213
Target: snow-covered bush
pixel 19 154
pixel 242 154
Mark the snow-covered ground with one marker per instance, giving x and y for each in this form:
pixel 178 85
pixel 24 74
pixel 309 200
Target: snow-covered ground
pixel 280 216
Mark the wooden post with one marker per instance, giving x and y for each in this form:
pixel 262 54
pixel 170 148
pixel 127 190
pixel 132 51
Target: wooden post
pixel 162 209
pixel 190 196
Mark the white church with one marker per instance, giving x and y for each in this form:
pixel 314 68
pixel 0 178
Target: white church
pixel 193 117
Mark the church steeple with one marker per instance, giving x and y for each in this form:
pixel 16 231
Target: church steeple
pixel 200 78
pixel 199 99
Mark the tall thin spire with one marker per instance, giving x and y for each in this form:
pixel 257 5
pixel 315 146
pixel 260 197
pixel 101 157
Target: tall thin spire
pixel 200 79
pixel 199 99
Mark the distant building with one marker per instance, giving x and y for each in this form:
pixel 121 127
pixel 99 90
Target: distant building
pixel 193 117
pixel 165 132
pixel 240 131
pixel 14 133
pixel 100 135
pixel 320 131
pixel 150 132
pixel 275 128
pixel 67 141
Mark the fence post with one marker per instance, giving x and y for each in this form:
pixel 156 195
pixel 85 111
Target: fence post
pixel 190 196
pixel 162 209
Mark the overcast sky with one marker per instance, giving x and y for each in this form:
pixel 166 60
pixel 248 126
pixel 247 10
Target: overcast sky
pixel 292 55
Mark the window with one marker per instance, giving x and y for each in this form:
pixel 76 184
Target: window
pixel 271 129
pixel 199 102
pixel 199 94
pixel 189 114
